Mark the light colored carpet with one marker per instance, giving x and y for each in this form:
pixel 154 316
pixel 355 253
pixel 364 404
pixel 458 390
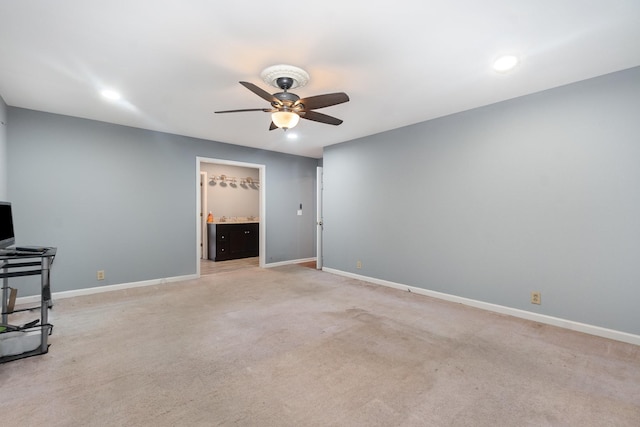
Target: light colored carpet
pixel 292 346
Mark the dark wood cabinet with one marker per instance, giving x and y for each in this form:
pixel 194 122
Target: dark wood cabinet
pixel 233 241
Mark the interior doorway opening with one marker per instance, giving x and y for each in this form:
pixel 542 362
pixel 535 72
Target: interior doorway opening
pixel 211 174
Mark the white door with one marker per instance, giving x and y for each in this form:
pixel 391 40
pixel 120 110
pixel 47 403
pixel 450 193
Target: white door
pixel 319 218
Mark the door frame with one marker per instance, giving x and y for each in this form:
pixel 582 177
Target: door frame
pixel 319 225
pixel 262 204
pixel 202 247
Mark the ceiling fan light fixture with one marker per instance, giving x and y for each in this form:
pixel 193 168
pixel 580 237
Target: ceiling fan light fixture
pixel 285 119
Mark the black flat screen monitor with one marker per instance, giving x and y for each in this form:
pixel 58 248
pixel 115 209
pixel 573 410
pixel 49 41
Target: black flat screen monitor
pixel 7 237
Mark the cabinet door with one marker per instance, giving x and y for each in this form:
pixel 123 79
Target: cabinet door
pixel 222 239
pixel 222 252
pixel 252 240
pixel 237 241
pixel 243 240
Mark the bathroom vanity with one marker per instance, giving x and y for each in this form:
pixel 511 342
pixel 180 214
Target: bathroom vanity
pixel 233 240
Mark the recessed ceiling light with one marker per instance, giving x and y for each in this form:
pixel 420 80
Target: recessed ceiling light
pixel 111 94
pixel 291 136
pixel 505 63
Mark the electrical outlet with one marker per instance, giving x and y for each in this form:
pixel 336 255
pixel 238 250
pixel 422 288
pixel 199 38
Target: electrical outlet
pixel 358 264
pixel 100 275
pixel 535 297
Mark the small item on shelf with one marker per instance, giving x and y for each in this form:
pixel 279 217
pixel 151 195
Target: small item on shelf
pixel 17 342
pixel 210 218
pixel 11 304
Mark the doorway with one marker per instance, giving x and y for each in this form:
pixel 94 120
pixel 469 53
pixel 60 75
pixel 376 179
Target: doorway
pixel 204 179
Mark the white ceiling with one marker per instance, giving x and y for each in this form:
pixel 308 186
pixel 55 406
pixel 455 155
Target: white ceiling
pixel 401 62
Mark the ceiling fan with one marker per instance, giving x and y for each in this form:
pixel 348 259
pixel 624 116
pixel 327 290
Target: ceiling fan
pixel 286 107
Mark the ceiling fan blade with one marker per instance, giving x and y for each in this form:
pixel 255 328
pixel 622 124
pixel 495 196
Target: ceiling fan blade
pixel 273 126
pixel 321 101
pixel 319 117
pixel 266 110
pixel 260 92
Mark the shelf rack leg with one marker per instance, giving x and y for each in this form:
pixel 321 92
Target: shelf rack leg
pixel 5 289
pixel 44 307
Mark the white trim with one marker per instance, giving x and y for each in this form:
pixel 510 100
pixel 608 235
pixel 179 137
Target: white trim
pixel 100 289
pixel 293 261
pixel 262 169
pixel 31 299
pixel 198 219
pixel 201 206
pixel 319 184
pixel 523 314
pixel 263 199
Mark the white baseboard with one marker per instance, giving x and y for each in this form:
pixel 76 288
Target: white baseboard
pixel 523 314
pixel 108 288
pixel 293 261
pixel 32 299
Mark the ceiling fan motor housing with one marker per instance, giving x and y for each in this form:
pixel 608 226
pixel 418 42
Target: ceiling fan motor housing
pixel 285 83
pixel 286 97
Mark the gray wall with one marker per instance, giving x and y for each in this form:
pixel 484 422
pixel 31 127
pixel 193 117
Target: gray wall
pixel 228 199
pixel 3 150
pixel 123 200
pixel 536 193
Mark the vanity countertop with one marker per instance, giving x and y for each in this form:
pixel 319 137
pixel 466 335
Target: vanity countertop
pixel 255 221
